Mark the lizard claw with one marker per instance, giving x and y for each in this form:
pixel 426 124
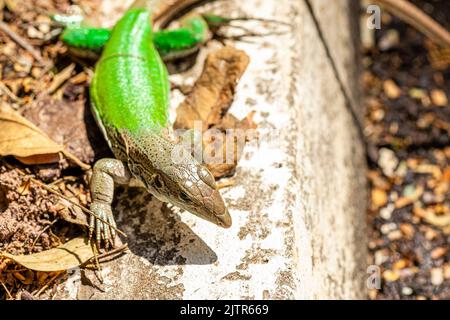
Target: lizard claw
pixel 104 227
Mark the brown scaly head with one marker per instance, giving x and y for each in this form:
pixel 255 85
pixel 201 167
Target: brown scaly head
pixel 176 177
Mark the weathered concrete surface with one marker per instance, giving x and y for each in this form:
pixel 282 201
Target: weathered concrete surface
pixel 298 204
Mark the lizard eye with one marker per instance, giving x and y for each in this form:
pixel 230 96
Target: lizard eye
pixel 158 183
pixel 184 196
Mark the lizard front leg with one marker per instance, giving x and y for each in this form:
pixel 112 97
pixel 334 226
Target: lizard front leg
pixel 106 172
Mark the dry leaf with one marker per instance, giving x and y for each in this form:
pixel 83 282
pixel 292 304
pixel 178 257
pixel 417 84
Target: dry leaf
pixel 213 92
pixel 23 140
pixel 72 214
pixel 71 254
pixel 209 102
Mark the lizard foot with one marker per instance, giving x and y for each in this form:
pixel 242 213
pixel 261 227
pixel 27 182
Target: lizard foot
pixel 104 224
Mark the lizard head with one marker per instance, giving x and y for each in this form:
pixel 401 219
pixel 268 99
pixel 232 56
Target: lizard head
pixel 192 187
pixel 183 181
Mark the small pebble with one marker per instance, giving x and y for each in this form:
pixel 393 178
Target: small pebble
pixel 447 271
pixel 439 98
pixel 391 89
pixel 407 291
pixel 389 40
pixel 408 230
pixel 388 227
pixel 395 235
pixel 387 161
pixel 437 276
pixel 390 276
pixel 438 252
pixel 381 256
pixel 386 212
pixel 379 197
pixel 400 264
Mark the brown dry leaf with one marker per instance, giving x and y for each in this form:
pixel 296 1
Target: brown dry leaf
pixel 213 92
pixel 68 123
pixel 209 102
pixel 71 213
pixel 71 254
pixel 23 140
pixel 11 5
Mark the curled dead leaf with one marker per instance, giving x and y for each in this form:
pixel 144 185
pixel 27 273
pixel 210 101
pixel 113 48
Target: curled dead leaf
pixel 70 255
pixel 22 139
pixel 209 101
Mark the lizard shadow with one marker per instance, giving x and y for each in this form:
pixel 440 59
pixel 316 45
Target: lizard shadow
pixel 94 135
pixel 157 233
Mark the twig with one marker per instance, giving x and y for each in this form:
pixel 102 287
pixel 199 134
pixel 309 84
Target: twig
pixel 86 210
pixel 58 80
pixel 37 294
pixel 418 19
pixel 107 254
pixel 40 233
pixel 97 263
pixel 10 94
pixel 113 251
pixel 22 42
pixel 6 289
pixel 75 160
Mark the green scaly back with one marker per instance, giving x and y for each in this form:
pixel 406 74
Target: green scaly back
pixel 130 87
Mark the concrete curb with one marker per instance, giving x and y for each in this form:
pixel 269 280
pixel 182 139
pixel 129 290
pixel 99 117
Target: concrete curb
pixel 298 205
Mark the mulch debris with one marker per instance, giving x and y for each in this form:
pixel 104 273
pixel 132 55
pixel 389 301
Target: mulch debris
pixel 406 82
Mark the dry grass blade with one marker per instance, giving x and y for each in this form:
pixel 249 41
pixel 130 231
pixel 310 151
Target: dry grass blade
pixel 22 42
pixel 6 289
pixel 58 80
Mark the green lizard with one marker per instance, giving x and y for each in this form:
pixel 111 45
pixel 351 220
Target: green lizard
pixel 171 44
pixel 194 31
pixel 130 100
